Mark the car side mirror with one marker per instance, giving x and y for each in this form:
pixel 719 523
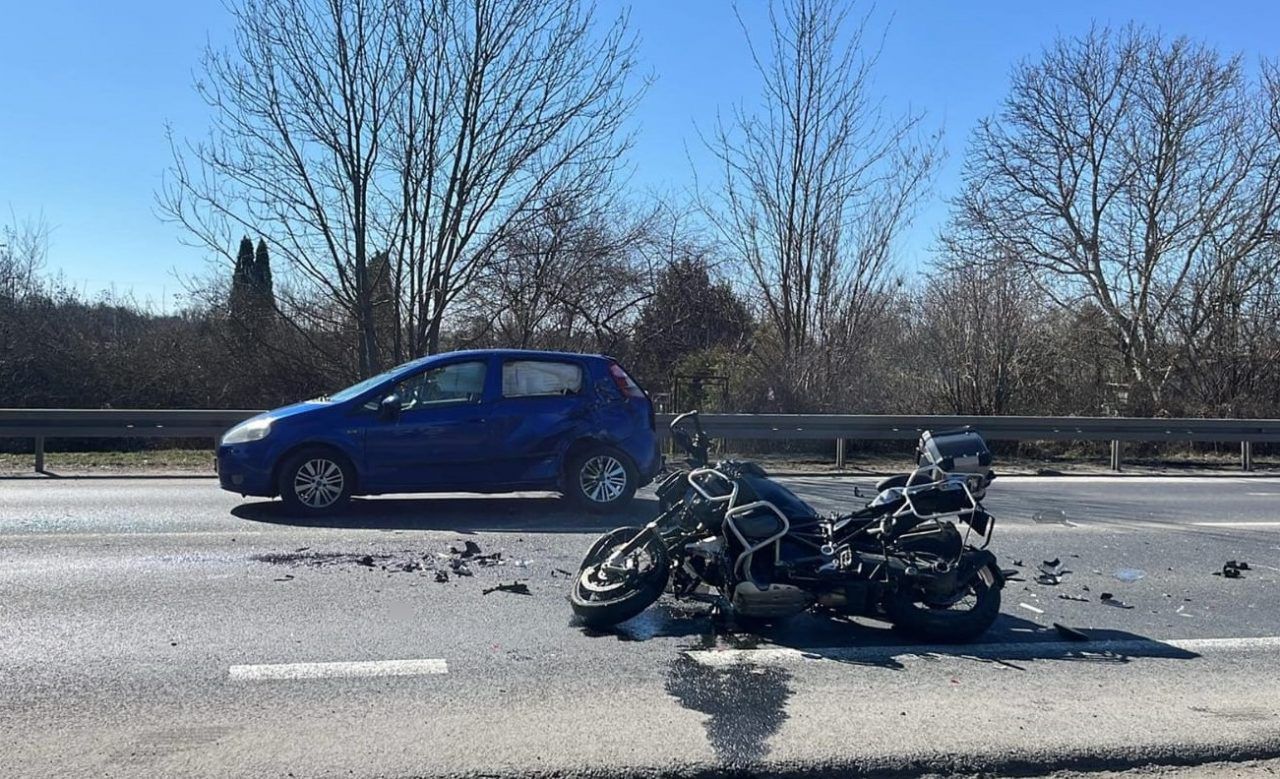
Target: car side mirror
pixel 389 408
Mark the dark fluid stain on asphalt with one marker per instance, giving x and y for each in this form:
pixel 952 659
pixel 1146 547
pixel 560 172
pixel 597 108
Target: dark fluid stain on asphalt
pixel 745 704
pixel 318 558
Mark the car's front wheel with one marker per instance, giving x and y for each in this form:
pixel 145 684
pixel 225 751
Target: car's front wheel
pixel 600 479
pixel 315 481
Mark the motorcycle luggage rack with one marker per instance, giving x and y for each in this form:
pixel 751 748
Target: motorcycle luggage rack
pixel 942 478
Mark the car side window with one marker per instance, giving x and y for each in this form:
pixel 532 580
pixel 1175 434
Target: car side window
pixel 540 378
pixel 459 382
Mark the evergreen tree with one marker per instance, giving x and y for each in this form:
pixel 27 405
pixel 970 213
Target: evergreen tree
pixel 240 299
pixel 263 287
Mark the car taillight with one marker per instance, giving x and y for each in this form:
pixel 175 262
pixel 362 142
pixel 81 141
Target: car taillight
pixel 626 385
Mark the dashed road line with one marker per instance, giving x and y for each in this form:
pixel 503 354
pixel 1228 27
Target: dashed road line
pixel 339 670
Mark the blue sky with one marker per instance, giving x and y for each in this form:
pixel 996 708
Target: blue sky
pixel 86 89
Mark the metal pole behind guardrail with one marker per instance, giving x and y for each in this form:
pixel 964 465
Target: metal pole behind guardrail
pixel 840 453
pixel 1115 455
pixel 1246 455
pixel 39 454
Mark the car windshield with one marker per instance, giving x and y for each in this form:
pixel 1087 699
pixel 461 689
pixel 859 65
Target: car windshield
pixel 356 390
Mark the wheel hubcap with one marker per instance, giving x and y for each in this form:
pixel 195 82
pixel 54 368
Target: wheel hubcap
pixel 603 478
pixel 318 483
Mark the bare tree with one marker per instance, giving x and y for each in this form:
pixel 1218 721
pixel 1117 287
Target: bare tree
pixel 345 129
pixel 24 246
pixel 569 276
pixel 817 185
pixel 1122 168
pixel 981 327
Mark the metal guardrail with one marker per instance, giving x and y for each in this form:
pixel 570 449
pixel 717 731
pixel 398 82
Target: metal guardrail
pixel 42 424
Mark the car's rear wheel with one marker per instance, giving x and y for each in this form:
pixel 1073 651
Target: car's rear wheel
pixel 600 479
pixel 315 481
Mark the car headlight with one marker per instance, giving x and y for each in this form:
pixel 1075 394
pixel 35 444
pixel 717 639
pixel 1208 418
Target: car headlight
pixel 243 433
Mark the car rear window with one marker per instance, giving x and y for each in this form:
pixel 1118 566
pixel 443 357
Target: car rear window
pixel 538 378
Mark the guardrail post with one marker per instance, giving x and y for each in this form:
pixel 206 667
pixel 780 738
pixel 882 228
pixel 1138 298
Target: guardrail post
pixel 1246 455
pixel 39 454
pixel 1115 455
pixel 840 453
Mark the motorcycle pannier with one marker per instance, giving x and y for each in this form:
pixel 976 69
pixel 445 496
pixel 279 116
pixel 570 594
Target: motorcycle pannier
pixel 955 451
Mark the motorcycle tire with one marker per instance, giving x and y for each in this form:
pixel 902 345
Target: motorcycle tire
pixel 943 625
pixel 601 603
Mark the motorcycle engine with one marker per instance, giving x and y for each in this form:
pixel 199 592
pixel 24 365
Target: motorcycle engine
pixel 771 600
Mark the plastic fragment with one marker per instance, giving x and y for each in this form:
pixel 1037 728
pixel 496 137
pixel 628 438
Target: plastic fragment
pixel 1129 575
pixel 1050 517
pixel 516 587
pixel 1031 608
pixel 1111 600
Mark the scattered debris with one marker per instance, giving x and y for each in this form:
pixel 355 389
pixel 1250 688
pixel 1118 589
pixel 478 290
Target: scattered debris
pixel 411 566
pixel 366 561
pixel 288 577
pixel 460 567
pixel 1050 517
pixel 1231 569
pixel 1111 600
pixel 516 587
pixel 1018 563
pixel 1070 634
pixel 1081 598
pixel 469 549
pixel 1010 574
pixel 1031 608
pixel 1051 572
pixel 561 572
pixel 442 576
pixel 1129 575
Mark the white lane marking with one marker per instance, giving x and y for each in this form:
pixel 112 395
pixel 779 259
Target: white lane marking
pixel 1152 647
pixel 1237 524
pixel 337 670
pixel 1263 494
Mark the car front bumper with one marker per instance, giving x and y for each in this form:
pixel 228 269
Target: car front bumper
pixel 243 470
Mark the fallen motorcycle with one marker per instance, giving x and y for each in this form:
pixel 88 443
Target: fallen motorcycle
pixel 728 534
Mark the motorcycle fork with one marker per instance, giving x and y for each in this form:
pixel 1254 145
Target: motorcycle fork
pixel 615 563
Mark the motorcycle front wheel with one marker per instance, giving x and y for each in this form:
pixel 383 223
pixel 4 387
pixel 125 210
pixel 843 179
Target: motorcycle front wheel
pixel 962 618
pixel 601 597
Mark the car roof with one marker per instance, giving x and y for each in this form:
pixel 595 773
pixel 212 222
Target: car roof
pixel 526 353
pixel 534 353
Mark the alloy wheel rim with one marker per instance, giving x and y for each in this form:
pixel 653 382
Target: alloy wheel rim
pixel 602 478
pixel 318 483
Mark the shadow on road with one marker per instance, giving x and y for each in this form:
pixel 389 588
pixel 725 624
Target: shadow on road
pixel 470 514
pixel 858 641
pixel 745 698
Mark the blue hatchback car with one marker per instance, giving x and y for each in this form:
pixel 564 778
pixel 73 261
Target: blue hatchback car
pixel 471 421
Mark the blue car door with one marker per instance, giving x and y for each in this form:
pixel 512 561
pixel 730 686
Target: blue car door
pixel 541 407
pixel 441 434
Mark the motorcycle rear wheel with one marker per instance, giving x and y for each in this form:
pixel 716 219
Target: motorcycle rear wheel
pixel 601 599
pixel 966 619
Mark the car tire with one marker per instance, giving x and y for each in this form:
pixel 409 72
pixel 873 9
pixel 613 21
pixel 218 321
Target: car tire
pixel 600 479
pixel 315 481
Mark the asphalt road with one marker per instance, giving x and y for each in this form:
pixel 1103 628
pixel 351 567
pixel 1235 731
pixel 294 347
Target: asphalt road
pixel 160 627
